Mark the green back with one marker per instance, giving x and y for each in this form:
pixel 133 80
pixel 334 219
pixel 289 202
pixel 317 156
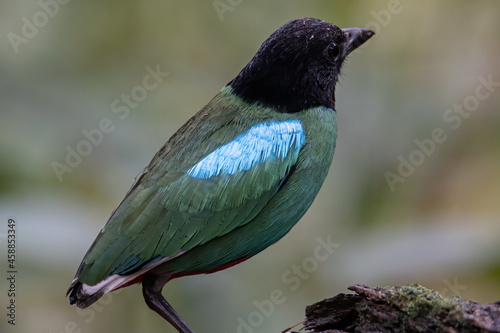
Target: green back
pixel 168 213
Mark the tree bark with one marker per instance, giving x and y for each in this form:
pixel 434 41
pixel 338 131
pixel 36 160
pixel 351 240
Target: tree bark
pixel 411 308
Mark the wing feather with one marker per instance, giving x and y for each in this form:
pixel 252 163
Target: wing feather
pixel 163 216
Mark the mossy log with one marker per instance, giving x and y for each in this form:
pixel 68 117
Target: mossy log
pixel 411 308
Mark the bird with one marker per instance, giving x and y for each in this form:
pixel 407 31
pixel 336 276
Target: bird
pixel 235 178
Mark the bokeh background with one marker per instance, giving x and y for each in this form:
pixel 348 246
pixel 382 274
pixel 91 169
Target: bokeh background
pixel 437 225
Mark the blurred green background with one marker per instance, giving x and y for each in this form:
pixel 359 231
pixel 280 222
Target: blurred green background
pixel 438 224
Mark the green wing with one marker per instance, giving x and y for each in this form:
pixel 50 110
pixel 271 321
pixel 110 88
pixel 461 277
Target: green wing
pixel 174 207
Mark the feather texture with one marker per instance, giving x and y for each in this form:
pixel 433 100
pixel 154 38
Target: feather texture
pixel 235 178
pixel 182 200
pixel 262 141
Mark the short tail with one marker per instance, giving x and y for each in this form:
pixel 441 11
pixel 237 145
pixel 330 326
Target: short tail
pixel 84 295
pixel 81 296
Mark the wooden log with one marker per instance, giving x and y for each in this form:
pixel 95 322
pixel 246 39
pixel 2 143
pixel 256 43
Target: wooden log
pixel 411 308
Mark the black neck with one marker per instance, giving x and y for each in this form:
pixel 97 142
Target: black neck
pixel 277 90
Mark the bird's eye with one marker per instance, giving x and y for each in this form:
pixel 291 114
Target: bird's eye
pixel 333 51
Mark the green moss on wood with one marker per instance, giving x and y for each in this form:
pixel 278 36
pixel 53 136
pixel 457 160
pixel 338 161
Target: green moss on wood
pixel 411 308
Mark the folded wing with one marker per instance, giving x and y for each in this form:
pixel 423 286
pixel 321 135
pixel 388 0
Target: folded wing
pixel 163 217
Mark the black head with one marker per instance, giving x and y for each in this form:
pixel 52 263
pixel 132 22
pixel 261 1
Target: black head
pixel 298 65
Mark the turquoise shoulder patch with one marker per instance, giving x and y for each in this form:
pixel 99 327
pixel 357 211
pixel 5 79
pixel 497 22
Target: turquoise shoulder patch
pixel 275 139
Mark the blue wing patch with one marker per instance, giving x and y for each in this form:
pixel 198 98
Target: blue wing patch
pixel 259 143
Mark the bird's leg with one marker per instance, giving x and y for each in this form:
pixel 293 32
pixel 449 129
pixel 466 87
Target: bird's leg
pixel 154 299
